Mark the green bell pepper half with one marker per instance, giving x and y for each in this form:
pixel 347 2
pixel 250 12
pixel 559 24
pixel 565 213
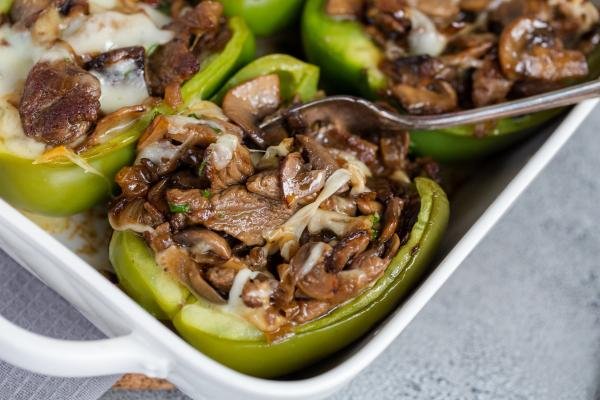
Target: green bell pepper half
pixel 265 17
pixel 350 60
pixel 138 275
pixel 5 6
pixel 61 187
pixel 234 342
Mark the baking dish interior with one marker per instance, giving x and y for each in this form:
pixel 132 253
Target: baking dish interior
pixel 88 234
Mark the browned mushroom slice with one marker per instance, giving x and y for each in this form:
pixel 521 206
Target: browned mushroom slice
pixel 391 218
pixel 389 16
pixel 529 49
pixel 442 11
pixel 121 76
pixel 317 154
pixel 508 11
pixel 204 246
pixel 228 162
pixel 344 8
pixel 394 150
pixel 221 278
pixel 257 291
pixel 250 102
pixel 342 205
pixel 308 269
pixel 346 249
pixel 266 184
pixel 135 215
pixel 296 182
pixel 160 238
pixel 437 97
pixel 178 263
pixel 245 215
pixel 367 203
pixel 60 103
pixel 474 5
pixel 134 181
pixel 489 85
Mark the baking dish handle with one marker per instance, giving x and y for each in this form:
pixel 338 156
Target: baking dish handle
pixel 68 358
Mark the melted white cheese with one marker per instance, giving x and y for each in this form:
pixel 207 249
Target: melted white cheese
pixel 424 37
pixel 286 236
pixel 222 151
pixel 110 30
pixel 235 301
pixel 122 85
pixel 12 137
pixel 158 152
pixel 313 258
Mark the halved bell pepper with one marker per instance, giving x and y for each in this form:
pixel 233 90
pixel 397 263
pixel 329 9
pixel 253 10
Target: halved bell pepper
pixel 59 187
pixel 134 265
pixel 236 343
pixel 265 17
pixel 350 60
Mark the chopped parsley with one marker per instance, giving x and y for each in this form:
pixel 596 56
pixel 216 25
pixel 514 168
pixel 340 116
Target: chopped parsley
pixel 206 193
pixel 179 208
pixel 375 225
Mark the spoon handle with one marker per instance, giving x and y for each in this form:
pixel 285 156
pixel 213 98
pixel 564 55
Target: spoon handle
pixel 555 99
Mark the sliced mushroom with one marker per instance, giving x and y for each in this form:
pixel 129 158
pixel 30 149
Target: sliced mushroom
pixel 340 204
pixel 135 215
pixel 391 219
pixel 221 278
pixel 60 103
pixel 251 101
pixel 205 246
pixel 529 49
pixel 308 269
pixel 258 291
pixel 296 183
pixel 318 156
pixel 346 249
pixel 121 76
pixel 228 162
pixel 367 203
pixel 266 184
pixel 489 85
pixel 435 98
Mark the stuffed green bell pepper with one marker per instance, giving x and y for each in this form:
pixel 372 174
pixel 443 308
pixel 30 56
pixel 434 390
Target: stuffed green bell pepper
pixel 81 84
pixel 436 57
pixel 271 250
pixel 264 17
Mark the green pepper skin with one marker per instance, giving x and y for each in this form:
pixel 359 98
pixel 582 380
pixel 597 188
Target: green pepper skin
pixel 297 77
pixel 228 340
pixel 348 58
pixel 138 274
pixel 64 188
pixel 350 61
pixel 5 6
pixel 265 17
pixel 236 343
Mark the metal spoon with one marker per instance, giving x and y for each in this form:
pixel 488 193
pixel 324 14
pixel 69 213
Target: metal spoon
pixel 359 115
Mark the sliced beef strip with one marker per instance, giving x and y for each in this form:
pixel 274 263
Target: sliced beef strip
pixel 170 63
pixel 245 215
pixel 60 103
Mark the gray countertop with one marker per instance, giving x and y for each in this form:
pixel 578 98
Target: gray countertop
pixel 520 319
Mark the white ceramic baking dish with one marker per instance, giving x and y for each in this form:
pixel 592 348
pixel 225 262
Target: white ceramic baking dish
pixel 139 343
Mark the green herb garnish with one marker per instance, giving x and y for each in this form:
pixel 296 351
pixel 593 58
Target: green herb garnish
pixel 179 208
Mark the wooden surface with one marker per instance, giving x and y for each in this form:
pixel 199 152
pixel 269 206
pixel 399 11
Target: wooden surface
pixel 141 382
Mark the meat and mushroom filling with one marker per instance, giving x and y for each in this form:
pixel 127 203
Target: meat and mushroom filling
pixel 442 56
pixel 71 70
pixel 280 231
